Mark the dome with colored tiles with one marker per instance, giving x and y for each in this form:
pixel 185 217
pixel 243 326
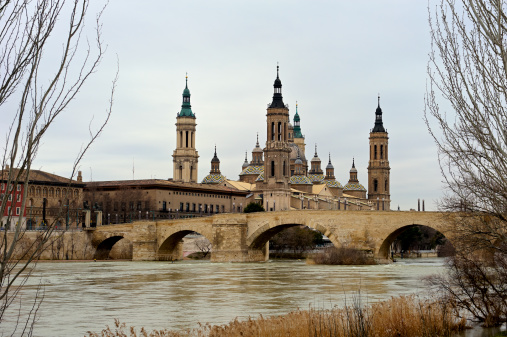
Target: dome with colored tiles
pixel 252 169
pixel 300 180
pixel 354 187
pixel 260 177
pixel 333 183
pixel 213 179
pixel 316 178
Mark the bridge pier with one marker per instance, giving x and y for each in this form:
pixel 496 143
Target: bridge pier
pixel 144 246
pixel 229 240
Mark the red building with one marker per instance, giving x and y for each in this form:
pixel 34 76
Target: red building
pixel 14 199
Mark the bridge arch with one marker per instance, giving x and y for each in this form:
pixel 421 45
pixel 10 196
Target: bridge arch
pixel 171 248
pixel 104 248
pixel 257 241
pixel 385 246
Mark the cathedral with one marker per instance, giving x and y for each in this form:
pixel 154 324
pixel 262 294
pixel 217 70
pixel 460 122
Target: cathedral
pixel 279 175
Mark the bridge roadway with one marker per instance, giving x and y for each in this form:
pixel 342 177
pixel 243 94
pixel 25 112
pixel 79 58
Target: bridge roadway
pixel 240 237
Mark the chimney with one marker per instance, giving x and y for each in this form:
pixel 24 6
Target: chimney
pixel 418 205
pixel 79 177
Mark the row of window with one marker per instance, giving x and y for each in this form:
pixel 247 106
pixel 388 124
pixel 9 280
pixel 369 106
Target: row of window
pixel 203 195
pixel 11 187
pixel 18 197
pixel 18 210
pixel 185 207
pixel 381 152
pixel 375 186
pixel 52 192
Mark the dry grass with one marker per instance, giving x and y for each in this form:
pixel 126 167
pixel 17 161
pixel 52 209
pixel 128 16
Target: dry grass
pixel 405 316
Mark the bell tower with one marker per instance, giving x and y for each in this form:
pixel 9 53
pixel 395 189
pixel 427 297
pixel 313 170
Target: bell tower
pixel 276 187
pixel 185 156
pixel 378 165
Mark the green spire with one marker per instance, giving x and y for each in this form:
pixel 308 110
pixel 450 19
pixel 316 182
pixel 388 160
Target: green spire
pixel 297 127
pixel 186 108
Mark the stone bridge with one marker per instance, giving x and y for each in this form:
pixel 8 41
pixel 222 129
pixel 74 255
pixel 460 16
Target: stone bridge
pixel 243 237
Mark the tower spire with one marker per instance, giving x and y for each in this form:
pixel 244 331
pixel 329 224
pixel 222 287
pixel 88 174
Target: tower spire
pixel 186 108
pixel 379 126
pixel 277 95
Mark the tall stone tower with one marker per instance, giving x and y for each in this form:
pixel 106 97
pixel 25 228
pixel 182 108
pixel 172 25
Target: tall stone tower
pixel 276 187
pixel 299 139
pixel 378 166
pixel 185 156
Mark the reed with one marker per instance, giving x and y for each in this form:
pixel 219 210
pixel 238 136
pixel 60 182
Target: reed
pixel 406 316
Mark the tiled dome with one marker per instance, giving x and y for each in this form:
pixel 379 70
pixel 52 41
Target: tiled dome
pixel 333 183
pixel 316 178
pixel 354 187
pixel 300 180
pixel 252 169
pixel 260 177
pixel 213 179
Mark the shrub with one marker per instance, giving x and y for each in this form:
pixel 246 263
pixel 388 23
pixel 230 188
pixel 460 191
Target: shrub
pixel 343 256
pixel 254 207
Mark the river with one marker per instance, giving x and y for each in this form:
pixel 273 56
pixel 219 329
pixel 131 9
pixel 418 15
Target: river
pixel 87 296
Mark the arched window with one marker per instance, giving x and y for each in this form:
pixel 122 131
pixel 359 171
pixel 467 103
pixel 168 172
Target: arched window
pixel 375 185
pixel 191 171
pixel 76 194
pixel 272 168
pixel 381 151
pixel 280 131
pixel 57 192
pixel 181 172
pixel 385 187
pixel 186 138
pixel 45 192
pixel 272 130
pixel 375 152
pixel 51 192
pixel 181 138
pixel 32 190
pixel 284 168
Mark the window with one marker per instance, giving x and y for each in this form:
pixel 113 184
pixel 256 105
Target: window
pixel 272 168
pixel 200 207
pixel 10 197
pixel 19 188
pixel 181 206
pixel 18 198
pixel 284 168
pixel 223 209
pixel 193 207
pixel 187 207
pixel 164 205
pixel 211 208
pixel 205 208
pixel 381 151
pixel 272 130
pixel 375 152
pixel 186 137
pixel 217 208
pixel 279 131
pixel 375 185
pixel 139 206
pixel 57 192
pixel 123 206
pixel 385 187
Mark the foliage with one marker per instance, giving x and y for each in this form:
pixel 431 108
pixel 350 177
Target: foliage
pixel 401 316
pixel 468 68
pixel 476 285
pixel 296 240
pixel 343 256
pixel 254 207
pixel 37 84
pixel 418 238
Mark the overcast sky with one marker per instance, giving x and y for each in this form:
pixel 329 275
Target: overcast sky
pixel 335 57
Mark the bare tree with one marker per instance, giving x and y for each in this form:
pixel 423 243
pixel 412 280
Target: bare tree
pixel 204 246
pixel 27 28
pixel 468 70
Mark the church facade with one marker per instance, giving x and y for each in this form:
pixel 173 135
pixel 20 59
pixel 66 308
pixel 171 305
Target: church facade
pixel 280 176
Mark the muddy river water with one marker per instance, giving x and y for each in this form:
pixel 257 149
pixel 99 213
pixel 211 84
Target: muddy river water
pixel 87 296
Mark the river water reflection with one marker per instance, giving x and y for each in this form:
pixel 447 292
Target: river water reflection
pixel 87 296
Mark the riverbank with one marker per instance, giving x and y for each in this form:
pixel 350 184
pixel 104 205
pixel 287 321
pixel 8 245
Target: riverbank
pixel 407 316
